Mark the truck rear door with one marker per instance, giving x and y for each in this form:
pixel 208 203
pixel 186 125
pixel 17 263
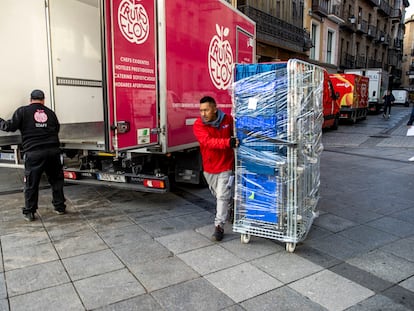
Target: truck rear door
pixel 131 72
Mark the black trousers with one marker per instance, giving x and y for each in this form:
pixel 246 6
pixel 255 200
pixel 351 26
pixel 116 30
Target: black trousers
pixel 410 122
pixel 36 163
pixel 387 108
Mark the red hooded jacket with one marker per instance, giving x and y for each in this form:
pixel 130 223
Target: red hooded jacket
pixel 214 142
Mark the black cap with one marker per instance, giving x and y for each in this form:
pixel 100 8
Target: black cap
pixel 37 94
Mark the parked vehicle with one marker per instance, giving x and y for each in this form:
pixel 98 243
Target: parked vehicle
pixel 378 84
pixel 124 78
pixel 331 106
pixel 401 97
pixel 353 95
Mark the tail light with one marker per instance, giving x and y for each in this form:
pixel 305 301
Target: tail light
pixel 154 183
pixel 69 175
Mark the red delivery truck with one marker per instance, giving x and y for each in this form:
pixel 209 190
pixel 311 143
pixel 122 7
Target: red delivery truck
pixel 331 106
pixel 353 95
pixel 125 78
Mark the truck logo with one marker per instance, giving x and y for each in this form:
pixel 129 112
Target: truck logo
pixel 133 21
pixel 220 59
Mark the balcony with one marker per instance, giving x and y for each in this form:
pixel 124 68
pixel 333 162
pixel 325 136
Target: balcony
pixel 320 7
pixel 349 22
pixel 394 58
pixel 397 74
pixel 335 14
pixel 384 7
pixel 274 31
pixel 362 26
pixel 372 63
pixel 347 60
pixel 395 15
pixel 396 44
pixel 372 31
pixel 360 61
pixel 384 39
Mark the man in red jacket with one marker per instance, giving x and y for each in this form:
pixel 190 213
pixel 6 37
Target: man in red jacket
pixel 214 130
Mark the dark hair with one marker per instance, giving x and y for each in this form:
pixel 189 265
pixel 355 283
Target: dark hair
pixel 208 99
pixel 37 94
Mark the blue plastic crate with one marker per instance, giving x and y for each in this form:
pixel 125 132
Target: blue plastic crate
pixel 260 121
pixel 248 70
pixel 256 167
pixel 259 194
pixel 260 89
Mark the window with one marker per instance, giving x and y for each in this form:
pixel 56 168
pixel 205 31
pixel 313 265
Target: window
pixel 314 36
pixel 329 47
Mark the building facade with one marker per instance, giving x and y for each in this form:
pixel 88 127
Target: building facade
pixel 336 34
pixel 279 28
pixel 408 59
pixel 323 19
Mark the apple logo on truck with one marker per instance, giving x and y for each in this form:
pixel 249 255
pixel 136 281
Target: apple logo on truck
pixel 220 59
pixel 133 21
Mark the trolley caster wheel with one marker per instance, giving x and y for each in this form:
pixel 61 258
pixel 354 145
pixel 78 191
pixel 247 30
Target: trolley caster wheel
pixel 290 247
pixel 245 238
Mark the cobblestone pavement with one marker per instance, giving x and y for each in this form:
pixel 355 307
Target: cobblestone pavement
pixel 124 250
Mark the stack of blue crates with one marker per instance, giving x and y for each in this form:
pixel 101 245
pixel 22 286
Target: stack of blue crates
pixel 260 113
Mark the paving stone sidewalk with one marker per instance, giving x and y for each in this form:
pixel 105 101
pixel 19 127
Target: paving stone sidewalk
pixel 123 250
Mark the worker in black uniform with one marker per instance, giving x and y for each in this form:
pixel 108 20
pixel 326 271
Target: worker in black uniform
pixel 39 128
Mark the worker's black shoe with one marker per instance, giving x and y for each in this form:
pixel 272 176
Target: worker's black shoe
pixel 29 216
pixel 218 234
pixel 60 211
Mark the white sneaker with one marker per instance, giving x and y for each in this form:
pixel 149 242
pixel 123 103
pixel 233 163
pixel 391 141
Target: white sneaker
pixel 411 159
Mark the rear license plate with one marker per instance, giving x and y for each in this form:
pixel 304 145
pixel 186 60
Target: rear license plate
pixel 110 177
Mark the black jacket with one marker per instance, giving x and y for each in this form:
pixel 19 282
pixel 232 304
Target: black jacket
pixel 38 126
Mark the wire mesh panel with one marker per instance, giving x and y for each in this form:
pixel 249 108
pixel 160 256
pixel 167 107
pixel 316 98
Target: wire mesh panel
pixel 278 119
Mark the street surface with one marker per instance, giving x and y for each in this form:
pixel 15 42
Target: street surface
pixel 124 250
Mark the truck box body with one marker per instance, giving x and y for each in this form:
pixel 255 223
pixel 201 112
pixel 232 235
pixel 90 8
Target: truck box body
pixel 125 78
pixel 331 106
pixel 353 95
pixel 378 84
pixel 401 97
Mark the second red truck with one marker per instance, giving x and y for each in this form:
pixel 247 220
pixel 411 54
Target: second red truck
pixel 352 91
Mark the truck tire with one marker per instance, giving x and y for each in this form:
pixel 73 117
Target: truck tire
pixel 353 117
pixel 364 114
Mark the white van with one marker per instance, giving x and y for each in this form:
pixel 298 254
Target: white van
pixel 401 97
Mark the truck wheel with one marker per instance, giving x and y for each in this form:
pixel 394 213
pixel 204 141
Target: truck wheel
pixel 364 114
pixel 353 117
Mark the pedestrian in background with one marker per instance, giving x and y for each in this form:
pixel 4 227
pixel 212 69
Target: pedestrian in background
pixel 39 128
pixel 411 120
pixel 388 102
pixel 214 130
